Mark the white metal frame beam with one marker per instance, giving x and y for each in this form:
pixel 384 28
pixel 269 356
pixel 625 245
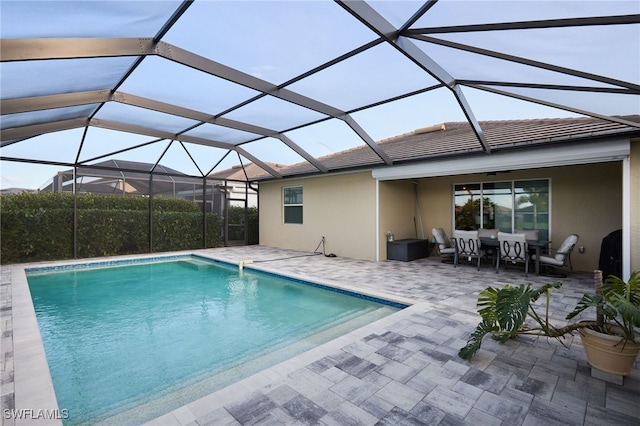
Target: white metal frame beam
pixel 106 124
pixel 72 48
pixel 404 39
pixel 555 105
pixel 25 132
pixel 362 11
pixel 13 106
pixel 63 100
pixel 529 62
pixel 534 24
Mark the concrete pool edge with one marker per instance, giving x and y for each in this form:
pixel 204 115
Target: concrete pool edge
pixel 33 386
pixel 394 299
pixel 34 394
pixel 34 397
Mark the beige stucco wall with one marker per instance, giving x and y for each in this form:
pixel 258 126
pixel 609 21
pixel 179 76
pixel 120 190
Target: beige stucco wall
pixel 635 204
pixel 398 213
pixel 339 207
pixel 585 200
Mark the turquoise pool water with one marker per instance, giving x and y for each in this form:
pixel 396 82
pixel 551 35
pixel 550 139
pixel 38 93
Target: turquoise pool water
pixel 129 343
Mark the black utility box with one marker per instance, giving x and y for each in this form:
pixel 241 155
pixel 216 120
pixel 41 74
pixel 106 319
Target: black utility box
pixel 406 250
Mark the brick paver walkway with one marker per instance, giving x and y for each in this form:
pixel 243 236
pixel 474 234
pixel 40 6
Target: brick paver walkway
pixel 404 369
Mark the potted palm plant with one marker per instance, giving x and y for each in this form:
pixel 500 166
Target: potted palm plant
pixel 611 341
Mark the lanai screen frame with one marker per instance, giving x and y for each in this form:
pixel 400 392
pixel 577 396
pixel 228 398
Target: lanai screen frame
pixel 405 39
pixel 27 115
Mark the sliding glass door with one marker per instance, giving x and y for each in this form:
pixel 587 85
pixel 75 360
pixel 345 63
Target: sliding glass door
pixel 505 205
pixel 532 206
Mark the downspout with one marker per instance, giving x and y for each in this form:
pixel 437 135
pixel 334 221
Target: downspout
pixel 415 187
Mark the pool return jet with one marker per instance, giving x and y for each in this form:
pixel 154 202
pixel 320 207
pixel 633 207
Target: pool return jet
pixel 244 262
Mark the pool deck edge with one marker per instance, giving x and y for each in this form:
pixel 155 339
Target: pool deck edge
pixel 401 369
pixel 34 394
pixel 35 398
pixel 272 377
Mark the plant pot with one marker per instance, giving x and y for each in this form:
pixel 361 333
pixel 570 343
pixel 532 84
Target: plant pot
pixel 611 354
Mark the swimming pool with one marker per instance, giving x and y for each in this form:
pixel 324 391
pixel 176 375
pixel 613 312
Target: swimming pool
pixel 134 340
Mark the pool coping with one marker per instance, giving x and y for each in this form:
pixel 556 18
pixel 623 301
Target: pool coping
pixel 34 394
pixel 33 386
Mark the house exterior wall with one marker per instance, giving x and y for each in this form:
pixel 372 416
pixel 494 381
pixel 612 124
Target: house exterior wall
pixel 339 207
pixel 634 160
pixel 397 212
pixel 585 200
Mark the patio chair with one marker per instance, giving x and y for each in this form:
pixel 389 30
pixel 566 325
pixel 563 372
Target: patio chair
pixel 467 245
pixel 513 248
pixel 562 256
pixel 445 247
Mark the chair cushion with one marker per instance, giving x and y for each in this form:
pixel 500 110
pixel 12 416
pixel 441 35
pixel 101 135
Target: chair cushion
pixel 550 260
pixel 566 247
pixel 441 238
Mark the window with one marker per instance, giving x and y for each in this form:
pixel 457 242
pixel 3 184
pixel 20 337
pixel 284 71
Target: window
pixel 532 206
pixel 467 206
pixel 292 197
pixel 497 206
pixel 506 206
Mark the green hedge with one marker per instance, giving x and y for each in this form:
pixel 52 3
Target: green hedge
pixel 39 226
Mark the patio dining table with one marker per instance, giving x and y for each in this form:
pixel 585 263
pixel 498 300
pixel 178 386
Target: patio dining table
pixel 537 245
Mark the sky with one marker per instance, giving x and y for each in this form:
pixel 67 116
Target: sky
pixel 277 41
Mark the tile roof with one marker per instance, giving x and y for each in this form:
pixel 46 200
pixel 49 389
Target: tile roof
pixel 251 171
pixel 458 139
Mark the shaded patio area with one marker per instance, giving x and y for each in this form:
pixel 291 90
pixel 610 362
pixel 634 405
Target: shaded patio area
pixel 404 369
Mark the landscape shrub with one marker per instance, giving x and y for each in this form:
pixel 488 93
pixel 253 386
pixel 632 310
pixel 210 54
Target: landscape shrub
pixel 39 226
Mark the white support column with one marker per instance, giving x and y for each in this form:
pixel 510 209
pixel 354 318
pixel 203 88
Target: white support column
pixel 377 230
pixel 626 218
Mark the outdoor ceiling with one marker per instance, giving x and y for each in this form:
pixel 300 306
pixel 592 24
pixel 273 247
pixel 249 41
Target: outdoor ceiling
pixel 207 84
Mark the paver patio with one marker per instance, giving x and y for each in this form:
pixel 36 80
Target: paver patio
pixel 404 369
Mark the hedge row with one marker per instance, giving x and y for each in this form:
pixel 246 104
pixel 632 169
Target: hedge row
pixel 39 226
pixel 49 200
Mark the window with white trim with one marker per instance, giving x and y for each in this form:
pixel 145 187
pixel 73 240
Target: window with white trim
pixel 292 204
pixel 506 205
